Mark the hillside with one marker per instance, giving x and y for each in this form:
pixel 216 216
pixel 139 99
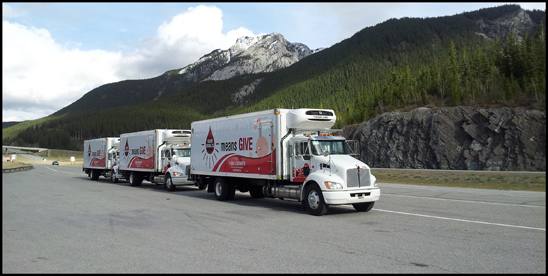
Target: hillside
pixel 400 64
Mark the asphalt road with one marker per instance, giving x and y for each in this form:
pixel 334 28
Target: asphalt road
pixel 56 220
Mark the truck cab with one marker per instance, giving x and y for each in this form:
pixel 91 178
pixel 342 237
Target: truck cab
pixel 175 166
pixel 330 175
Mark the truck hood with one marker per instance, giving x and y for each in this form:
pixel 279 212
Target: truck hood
pixel 341 162
pixel 183 160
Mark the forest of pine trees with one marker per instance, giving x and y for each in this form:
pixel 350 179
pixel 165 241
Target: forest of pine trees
pixel 514 75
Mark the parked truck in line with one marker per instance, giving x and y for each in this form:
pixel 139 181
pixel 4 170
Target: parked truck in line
pixel 160 156
pixel 100 156
pixel 289 154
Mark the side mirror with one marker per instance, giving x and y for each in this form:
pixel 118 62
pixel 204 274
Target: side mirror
pixel 325 153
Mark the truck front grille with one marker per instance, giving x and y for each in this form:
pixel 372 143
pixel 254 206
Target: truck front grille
pixel 355 179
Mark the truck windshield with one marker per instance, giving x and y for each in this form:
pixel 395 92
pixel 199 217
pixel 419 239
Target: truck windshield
pixel 332 147
pixel 182 152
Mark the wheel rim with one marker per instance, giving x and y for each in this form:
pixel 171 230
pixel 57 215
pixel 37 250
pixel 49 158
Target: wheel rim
pixel 168 182
pixel 313 200
pixel 218 188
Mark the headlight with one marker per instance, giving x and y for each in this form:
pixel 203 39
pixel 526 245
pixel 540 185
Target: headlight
pixel 333 185
pixel 175 174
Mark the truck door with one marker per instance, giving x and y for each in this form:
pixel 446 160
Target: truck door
pixel 300 161
pixel 166 156
pixel 265 146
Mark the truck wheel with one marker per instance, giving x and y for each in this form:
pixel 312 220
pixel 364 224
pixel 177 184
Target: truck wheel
pixel 363 207
pixel 223 189
pixel 256 192
pixel 314 200
pixel 113 177
pixel 202 184
pixel 169 184
pixel 94 175
pixel 135 179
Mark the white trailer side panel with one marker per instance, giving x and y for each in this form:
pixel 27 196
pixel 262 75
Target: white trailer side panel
pixel 241 146
pixel 96 152
pixel 138 151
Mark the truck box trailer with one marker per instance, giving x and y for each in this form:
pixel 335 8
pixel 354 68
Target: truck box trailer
pixel 161 156
pixel 100 156
pixel 281 153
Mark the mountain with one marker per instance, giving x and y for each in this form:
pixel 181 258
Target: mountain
pixel 487 58
pixel 8 124
pixel 249 55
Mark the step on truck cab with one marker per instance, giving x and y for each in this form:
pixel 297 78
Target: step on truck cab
pixel 289 154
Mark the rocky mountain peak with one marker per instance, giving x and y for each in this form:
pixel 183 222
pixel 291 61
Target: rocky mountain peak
pixel 250 54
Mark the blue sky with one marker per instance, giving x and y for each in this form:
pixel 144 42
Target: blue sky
pixel 54 53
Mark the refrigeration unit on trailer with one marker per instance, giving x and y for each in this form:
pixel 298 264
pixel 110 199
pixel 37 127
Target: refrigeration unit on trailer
pixel 289 154
pixel 161 156
pixel 100 156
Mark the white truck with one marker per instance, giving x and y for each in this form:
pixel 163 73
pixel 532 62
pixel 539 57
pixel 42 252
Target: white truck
pixel 161 156
pixel 99 156
pixel 281 153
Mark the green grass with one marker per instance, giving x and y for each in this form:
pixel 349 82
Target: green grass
pixel 518 181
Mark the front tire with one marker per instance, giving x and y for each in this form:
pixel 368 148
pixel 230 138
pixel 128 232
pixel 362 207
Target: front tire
pixel 224 190
pixel 202 184
pixel 314 201
pixel 169 183
pixel 363 207
pixel 113 177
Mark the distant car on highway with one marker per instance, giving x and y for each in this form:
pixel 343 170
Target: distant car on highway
pixel 55 163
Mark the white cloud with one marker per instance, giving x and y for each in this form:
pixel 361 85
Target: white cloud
pixel 40 76
pixel 36 71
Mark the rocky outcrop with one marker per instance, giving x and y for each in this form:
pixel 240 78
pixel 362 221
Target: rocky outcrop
pixel 454 138
pixel 518 22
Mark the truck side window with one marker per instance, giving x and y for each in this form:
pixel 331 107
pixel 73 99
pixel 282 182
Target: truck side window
pixel 298 149
pixel 306 150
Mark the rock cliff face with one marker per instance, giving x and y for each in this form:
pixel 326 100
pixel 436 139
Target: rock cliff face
pixel 454 138
pixel 518 22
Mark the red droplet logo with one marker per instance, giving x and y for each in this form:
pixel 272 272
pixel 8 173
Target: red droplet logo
pixel 210 142
pixel 127 148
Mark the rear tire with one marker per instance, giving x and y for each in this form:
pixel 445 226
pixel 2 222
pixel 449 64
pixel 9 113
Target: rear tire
pixel 224 190
pixel 363 207
pixel 94 174
pixel 314 200
pixel 135 179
